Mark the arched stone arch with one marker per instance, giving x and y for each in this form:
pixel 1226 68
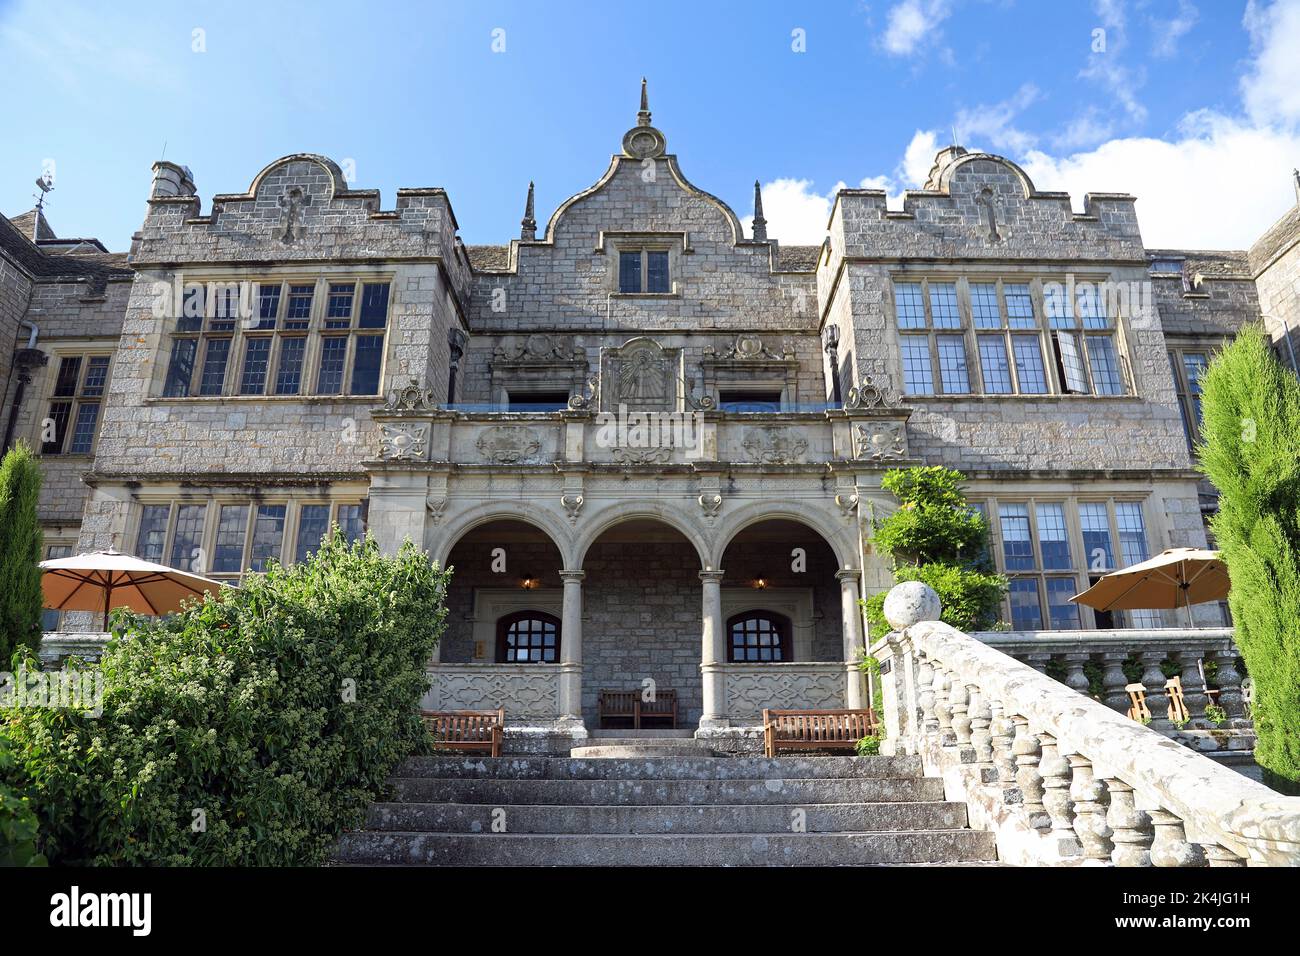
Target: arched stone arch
pixel 837 532
pixel 466 521
pixel 602 521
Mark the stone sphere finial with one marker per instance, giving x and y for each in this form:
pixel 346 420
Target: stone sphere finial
pixel 910 603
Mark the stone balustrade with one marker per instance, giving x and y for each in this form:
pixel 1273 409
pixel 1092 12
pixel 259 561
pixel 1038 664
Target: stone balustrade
pixel 752 688
pixel 1059 777
pixel 490 437
pixel 1190 648
pixel 58 646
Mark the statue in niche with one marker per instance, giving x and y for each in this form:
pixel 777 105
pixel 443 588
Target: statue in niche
pixel 291 221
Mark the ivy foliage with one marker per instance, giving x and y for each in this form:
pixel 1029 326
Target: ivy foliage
pixel 246 730
pixel 936 537
pixel 1251 452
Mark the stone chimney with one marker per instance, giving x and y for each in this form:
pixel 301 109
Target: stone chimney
pixel 945 158
pixel 170 180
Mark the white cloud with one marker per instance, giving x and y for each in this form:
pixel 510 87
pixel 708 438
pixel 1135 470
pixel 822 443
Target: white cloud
pixel 918 158
pixel 797 213
pixel 1105 65
pixel 1087 129
pixel 1271 90
pixel 1167 33
pixel 1218 186
pixel 993 124
pixel 911 23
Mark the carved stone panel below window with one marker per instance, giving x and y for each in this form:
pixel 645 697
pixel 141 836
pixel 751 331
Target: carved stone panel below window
pixel 751 688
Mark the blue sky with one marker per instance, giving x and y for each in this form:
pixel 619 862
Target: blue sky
pixel 1192 105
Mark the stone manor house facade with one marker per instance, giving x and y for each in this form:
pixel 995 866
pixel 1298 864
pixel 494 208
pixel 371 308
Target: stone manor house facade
pixel 649 443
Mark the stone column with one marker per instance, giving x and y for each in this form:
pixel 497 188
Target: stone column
pixel 851 629
pixel 713 653
pixel 571 646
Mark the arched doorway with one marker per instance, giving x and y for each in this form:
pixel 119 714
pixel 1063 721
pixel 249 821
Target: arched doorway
pixel 780 596
pixel 641 607
pixel 505 573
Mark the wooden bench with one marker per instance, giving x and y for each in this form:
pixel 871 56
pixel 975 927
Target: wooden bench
pixel 466 729
pixel 815 729
pixel 627 705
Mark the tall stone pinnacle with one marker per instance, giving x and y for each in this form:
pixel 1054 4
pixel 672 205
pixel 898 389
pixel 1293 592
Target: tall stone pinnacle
pixel 528 225
pixel 643 116
pixel 760 224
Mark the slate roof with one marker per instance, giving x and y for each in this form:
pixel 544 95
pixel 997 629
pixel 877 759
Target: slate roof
pixel 1211 263
pixel 1280 235
pixel 43 264
pixel 488 258
pixel 798 258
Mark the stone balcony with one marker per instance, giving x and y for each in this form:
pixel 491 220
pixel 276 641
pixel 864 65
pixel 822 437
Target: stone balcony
pixel 413 430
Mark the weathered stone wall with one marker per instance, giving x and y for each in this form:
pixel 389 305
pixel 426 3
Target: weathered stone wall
pixel 73 319
pixel 984 208
pixel 299 215
pixel 15 288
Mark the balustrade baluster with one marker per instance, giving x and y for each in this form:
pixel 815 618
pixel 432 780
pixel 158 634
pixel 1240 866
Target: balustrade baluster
pixel 1091 801
pixel 1002 733
pixel 1131 828
pixel 1189 662
pixel 1229 679
pixel 1153 682
pixel 1221 856
pixel 1075 678
pixel 1038 662
pixel 928 723
pixel 960 710
pixel 1027 752
pixel 980 737
pixel 1113 681
pixel 942 709
pixel 1170 846
pixel 1056 796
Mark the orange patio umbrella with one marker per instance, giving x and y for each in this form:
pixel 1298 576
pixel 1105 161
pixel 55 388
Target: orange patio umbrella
pixel 103 580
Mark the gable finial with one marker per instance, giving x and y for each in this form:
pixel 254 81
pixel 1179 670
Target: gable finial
pixel 528 225
pixel 760 224
pixel 643 116
pixel 1295 175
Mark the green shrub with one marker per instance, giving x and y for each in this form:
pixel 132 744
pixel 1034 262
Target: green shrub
pixel 868 746
pixel 18 824
pixel 245 730
pixel 936 537
pixel 20 553
pixel 1215 714
pixel 1251 453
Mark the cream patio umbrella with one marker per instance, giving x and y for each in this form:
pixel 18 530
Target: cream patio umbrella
pixel 1179 577
pixel 103 580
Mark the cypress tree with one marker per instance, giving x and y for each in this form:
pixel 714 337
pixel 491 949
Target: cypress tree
pixel 20 553
pixel 1251 452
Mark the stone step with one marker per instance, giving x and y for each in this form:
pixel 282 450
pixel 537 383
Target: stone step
pixel 628 733
pixel 635 750
pixel 624 792
pixel 739 818
pixel 762 849
pixel 660 768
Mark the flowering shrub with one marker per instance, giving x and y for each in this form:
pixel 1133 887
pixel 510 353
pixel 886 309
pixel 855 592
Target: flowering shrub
pixel 17 821
pixel 245 730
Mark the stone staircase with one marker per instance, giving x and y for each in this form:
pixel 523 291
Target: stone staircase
pixel 664 810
